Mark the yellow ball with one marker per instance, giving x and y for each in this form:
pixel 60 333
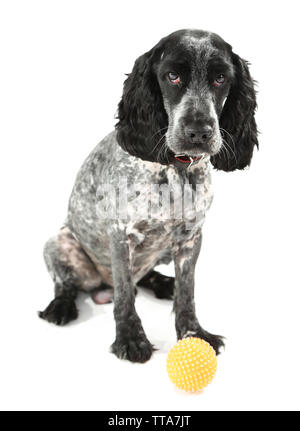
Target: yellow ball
pixel 191 364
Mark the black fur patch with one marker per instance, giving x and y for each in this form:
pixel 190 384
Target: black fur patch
pixel 161 285
pixel 60 311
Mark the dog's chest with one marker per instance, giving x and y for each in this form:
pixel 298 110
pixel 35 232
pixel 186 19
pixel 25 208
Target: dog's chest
pixel 153 229
pixel 166 211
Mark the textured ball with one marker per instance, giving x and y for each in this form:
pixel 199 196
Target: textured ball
pixel 191 364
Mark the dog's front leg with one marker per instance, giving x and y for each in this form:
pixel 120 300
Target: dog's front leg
pixel 186 322
pixel 131 342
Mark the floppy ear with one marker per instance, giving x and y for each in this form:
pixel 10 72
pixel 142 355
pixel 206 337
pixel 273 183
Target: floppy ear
pixel 237 120
pixel 142 117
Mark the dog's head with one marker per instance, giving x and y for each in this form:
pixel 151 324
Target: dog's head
pixel 189 95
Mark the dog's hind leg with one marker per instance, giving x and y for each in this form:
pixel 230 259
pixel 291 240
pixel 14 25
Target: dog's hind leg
pixel 161 285
pixel 71 269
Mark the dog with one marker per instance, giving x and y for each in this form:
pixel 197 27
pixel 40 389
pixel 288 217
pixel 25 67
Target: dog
pixel 188 104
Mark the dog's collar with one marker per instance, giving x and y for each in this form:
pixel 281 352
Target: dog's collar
pixel 188 160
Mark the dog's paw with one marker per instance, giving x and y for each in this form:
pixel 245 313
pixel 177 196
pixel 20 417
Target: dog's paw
pixel 164 287
pixel 135 350
pixel 60 311
pixel 161 285
pixel 216 341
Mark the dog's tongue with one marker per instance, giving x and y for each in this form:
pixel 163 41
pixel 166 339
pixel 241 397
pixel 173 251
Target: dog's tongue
pixel 186 159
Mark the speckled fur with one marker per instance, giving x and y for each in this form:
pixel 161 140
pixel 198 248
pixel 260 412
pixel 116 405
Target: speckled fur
pixel 149 241
pixel 92 252
pixel 88 248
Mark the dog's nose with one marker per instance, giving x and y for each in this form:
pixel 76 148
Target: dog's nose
pixel 199 135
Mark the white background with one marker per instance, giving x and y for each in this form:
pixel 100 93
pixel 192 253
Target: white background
pixel 61 75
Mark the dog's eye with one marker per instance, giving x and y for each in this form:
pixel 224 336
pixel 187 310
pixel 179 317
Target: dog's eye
pixel 219 80
pixel 174 78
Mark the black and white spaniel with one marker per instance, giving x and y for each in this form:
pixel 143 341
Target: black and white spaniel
pixel 188 103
